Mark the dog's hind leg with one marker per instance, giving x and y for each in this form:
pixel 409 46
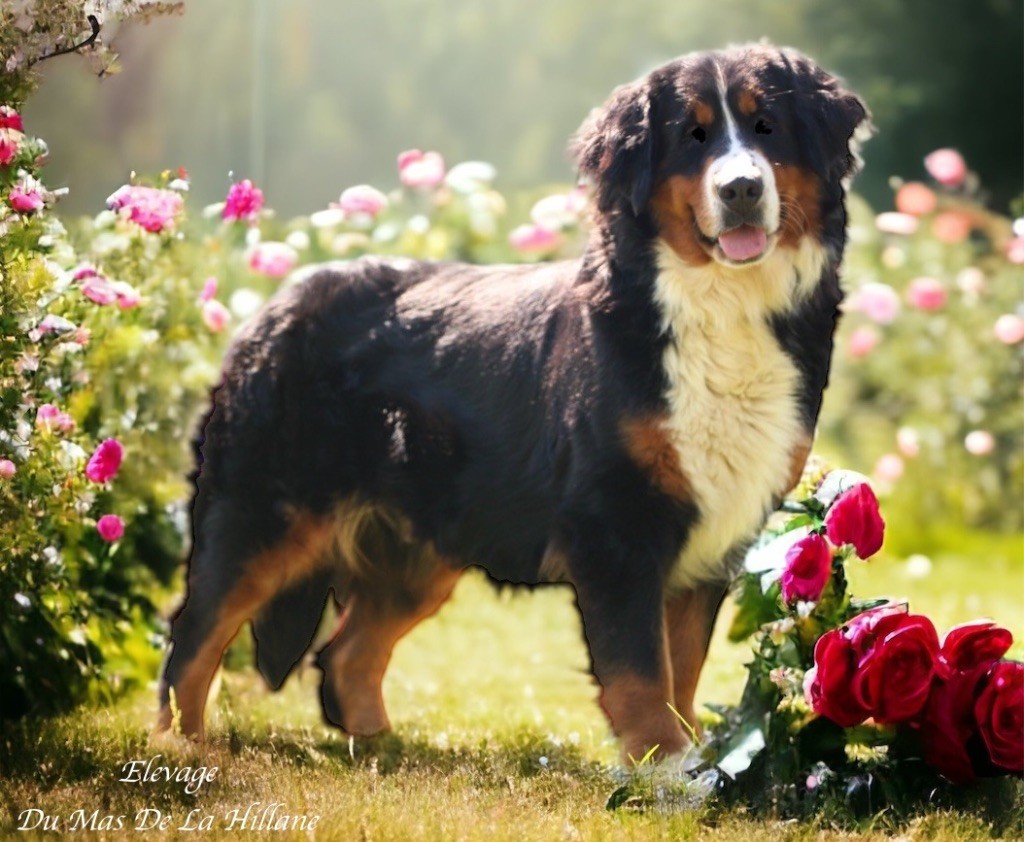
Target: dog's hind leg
pixel 376 617
pixel 228 583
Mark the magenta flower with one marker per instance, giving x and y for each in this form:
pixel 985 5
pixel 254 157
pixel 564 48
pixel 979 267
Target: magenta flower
pixel 149 207
pixel 420 169
pixel 215 315
pixel 110 527
pixel 362 199
pixel 126 295
pixel 275 260
pixel 533 239
pixel 808 568
pixel 926 294
pixel 209 289
pixel 26 196
pixel 879 302
pixel 47 416
pixel 854 519
pixel 10 119
pixel 8 147
pixel 7 469
pixel 105 461
pixel 1009 329
pixel 946 166
pixel 244 202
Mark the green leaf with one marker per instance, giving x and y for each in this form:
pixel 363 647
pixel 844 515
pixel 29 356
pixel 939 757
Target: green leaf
pixel 753 608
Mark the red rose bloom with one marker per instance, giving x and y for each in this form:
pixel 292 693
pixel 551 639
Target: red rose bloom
pixel 973 645
pixel 999 712
pixel 854 519
pixel 808 567
pixel 828 682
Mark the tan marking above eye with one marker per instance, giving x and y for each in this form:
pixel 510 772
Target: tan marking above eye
pixel 703 113
pixel 747 103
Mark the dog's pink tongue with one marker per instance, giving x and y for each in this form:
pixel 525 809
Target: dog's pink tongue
pixel 743 243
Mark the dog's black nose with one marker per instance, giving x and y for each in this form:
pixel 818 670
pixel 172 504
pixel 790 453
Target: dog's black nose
pixel 742 194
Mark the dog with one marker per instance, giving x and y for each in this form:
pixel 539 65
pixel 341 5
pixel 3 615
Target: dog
pixel 623 423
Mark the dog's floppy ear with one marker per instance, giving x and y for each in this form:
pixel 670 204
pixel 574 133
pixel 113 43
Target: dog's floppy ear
pixel 614 148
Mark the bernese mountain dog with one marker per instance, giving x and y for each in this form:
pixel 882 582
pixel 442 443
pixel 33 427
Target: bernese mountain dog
pixel 623 423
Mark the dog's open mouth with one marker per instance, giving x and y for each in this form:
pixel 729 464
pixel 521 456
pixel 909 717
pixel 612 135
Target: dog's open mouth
pixel 743 243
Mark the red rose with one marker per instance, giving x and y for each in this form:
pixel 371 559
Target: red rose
pixel 808 568
pixel 973 645
pixel 854 519
pixel 827 685
pixel 895 674
pixel 948 725
pixel 999 712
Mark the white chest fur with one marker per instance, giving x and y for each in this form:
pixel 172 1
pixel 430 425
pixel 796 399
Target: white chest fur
pixel 733 417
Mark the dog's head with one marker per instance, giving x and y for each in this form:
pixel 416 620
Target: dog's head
pixel 732 154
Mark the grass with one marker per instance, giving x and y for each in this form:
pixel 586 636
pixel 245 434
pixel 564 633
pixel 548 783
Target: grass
pixel 497 734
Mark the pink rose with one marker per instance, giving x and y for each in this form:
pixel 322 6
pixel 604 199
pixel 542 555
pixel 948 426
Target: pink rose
pixel 362 199
pixel 979 442
pixel 1009 329
pixel 533 239
pixel 879 302
pixel 854 519
pixel 808 569
pixel 946 166
pixel 862 341
pixel 47 416
pixel 420 169
pixel 149 207
pixel 7 469
pixel 105 461
pixel 952 227
pixel 892 222
pixel 915 199
pixel 926 294
pixel 99 290
pixel 110 527
pixel 26 196
pixel 215 315
pixel 275 260
pixel 10 119
pixel 8 147
pixel 243 202
pixel 126 295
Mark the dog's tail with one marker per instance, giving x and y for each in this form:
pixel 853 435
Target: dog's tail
pixel 285 628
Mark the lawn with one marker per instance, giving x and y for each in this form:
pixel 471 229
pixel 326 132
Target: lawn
pixel 497 734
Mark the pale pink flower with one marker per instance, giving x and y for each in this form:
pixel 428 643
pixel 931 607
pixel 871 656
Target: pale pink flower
pixel 82 336
pixel 10 119
pixel 105 461
pixel 9 146
pixel 7 469
pixel 561 210
pixel 1015 250
pixel 946 166
pixel 952 227
pixel 273 259
pixel 110 527
pixel 54 324
pixel 150 207
pixel 420 169
pixel 889 467
pixel 892 222
pixel 879 302
pixel 99 290
pixel 926 294
pixel 127 296
pixel 362 199
pixel 1009 329
pixel 862 341
pixel 47 416
pixel 971 280
pixel 243 202
pixel 979 442
pixel 83 272
pixel 26 196
pixel 65 423
pixel 215 315
pixel 533 239
pixel 908 441
pixel 209 289
pixel 915 198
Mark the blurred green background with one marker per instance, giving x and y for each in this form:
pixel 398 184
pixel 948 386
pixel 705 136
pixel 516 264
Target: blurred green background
pixel 309 96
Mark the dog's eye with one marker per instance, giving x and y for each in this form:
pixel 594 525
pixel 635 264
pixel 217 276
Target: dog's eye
pixel 761 127
pixel 699 134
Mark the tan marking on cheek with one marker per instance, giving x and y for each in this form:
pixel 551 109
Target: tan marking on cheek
pixel 800 199
pixel 679 208
pixel 651 449
pixel 703 113
pixel 747 103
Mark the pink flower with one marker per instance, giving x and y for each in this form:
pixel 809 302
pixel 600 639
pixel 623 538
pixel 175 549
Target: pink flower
pixel 26 196
pixel 879 302
pixel 979 442
pixel 149 207
pixel 83 272
pixel 209 289
pixel 65 423
pixel 952 227
pixel 420 169
pixel 971 280
pixel 244 201
pixel 54 324
pixel 8 147
pixel 1015 250
pixel 126 295
pixel 533 239
pixel 7 469
pixel 908 442
pixel 915 199
pixel 110 527
pixel 275 260
pixel 808 568
pixel 854 519
pixel 892 222
pixel 926 294
pixel 215 315
pixel 82 336
pixel 889 467
pixel 10 119
pixel 862 341
pixel 362 199
pixel 946 166
pixel 1009 329
pixel 105 461
pixel 47 416
pixel 559 211
pixel 99 290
